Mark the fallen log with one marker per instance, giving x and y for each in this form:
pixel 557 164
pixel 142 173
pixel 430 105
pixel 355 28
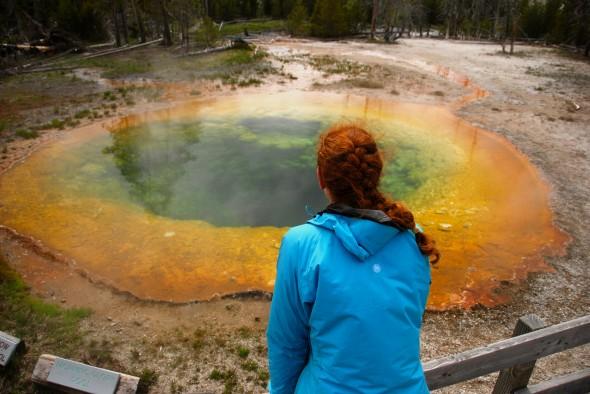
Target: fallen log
pixel 208 50
pixel 103 45
pixel 58 66
pixel 119 50
pixel 50 69
pixel 235 42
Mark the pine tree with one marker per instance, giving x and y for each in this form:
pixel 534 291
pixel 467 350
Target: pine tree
pixel 297 20
pixel 329 19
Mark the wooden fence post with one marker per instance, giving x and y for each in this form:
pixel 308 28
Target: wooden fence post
pixel 517 377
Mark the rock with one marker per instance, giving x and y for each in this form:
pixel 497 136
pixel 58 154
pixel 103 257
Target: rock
pixel 445 227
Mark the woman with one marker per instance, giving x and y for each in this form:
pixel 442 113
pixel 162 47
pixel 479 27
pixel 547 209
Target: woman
pixel 351 283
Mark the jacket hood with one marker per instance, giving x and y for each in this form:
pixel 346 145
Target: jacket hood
pixel 362 232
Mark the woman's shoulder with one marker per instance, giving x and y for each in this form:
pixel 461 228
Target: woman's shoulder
pixel 303 234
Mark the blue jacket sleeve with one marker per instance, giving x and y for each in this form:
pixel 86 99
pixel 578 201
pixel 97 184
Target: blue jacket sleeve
pixel 288 330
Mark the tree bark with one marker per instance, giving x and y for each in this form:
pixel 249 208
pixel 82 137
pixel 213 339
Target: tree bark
pixel 123 14
pixel 167 37
pixel 138 20
pixel 116 24
pixel 374 18
pixel 509 24
pixel 496 24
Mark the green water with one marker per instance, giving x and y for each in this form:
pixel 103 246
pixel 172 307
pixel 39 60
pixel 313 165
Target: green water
pixel 243 171
pixel 226 177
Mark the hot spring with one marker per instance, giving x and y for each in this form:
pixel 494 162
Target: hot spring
pixel 191 202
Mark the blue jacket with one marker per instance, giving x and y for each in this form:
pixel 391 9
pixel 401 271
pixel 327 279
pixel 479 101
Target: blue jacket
pixel 347 308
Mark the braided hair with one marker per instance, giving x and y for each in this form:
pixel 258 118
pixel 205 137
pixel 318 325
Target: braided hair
pixel 350 165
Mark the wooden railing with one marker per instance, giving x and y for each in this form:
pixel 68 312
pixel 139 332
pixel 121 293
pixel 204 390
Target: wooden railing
pixel 516 357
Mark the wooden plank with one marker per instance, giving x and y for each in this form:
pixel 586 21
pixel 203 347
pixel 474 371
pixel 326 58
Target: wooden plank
pixel 574 383
pixel 127 383
pixel 503 354
pixel 518 376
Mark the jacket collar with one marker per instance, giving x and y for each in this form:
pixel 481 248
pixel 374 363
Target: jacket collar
pixel 369 214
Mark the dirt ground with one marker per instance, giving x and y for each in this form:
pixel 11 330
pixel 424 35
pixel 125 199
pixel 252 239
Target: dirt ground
pixel 531 98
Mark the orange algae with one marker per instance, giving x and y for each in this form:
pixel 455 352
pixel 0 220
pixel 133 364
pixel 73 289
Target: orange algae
pixel 489 213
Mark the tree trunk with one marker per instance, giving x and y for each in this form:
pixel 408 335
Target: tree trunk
pixel 587 50
pixel 512 35
pixel 123 14
pixel 508 26
pixel 116 25
pixel 496 24
pixel 167 37
pixel 138 20
pixel 185 27
pixel 374 18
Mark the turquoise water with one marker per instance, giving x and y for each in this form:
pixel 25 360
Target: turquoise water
pixel 237 174
pixel 242 171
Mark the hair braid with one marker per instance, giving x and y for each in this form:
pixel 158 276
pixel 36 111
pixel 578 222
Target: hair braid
pixel 350 164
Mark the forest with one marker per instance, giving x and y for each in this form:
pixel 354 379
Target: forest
pixel 65 24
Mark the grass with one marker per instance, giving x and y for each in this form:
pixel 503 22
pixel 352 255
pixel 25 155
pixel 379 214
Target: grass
pixel 253 26
pixel 236 67
pixel 44 327
pixel 331 65
pixel 118 67
pixel 242 352
pixel 249 365
pixel 3 125
pixel 147 378
pixel 229 378
pixel 365 83
pixel 27 134
pixel 199 340
pixel 85 113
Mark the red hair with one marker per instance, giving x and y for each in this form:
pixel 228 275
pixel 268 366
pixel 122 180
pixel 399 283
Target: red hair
pixel 350 166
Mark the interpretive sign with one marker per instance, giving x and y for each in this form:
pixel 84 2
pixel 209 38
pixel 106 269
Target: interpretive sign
pixel 83 377
pixel 8 345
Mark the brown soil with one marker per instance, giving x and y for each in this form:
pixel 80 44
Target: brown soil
pixel 531 99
